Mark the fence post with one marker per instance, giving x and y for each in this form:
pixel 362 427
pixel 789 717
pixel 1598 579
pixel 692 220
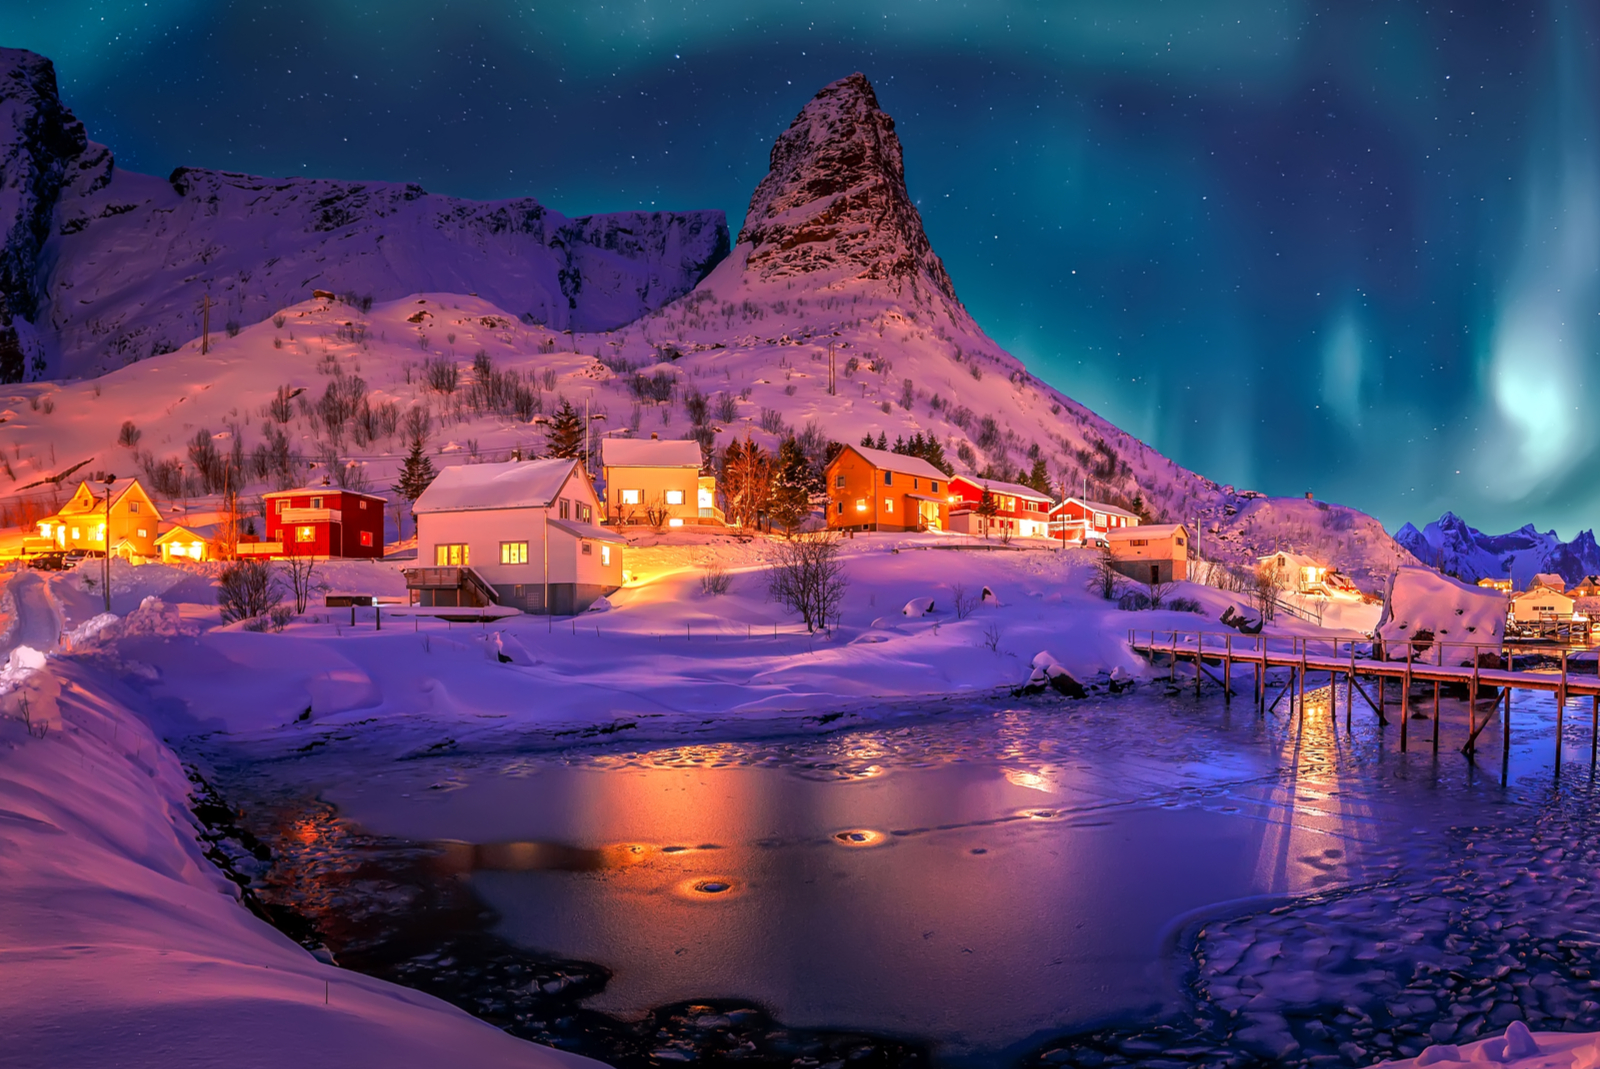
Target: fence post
pixel 1561 710
pixel 1199 659
pixel 1227 670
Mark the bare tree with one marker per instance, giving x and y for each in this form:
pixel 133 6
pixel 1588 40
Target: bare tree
pixel 1159 593
pixel 1103 576
pixel 300 571
pixel 247 589
pixel 715 580
pixel 1269 583
pixel 808 577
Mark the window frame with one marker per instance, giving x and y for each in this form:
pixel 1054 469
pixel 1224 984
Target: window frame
pixel 510 552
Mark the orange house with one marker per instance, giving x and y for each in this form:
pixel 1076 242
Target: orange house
pixel 876 490
pixel 81 523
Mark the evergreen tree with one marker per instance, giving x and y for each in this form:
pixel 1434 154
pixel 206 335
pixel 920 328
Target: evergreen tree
pixel 883 440
pixel 790 501
pixel 415 474
pixel 746 481
pixel 986 507
pixel 1039 477
pixel 934 454
pixel 564 438
pixel 866 440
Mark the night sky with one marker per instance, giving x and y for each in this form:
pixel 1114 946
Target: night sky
pixel 1352 247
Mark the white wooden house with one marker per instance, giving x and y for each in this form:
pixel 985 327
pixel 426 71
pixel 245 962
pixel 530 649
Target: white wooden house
pixel 523 534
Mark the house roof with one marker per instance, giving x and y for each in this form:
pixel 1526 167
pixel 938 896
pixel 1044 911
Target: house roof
pixel 995 486
pixel 1541 592
pixel 887 461
pixel 1097 506
pixel 650 453
pixel 205 532
pixel 511 484
pixel 1293 560
pixel 77 506
pixel 589 531
pixel 1148 530
pixel 320 490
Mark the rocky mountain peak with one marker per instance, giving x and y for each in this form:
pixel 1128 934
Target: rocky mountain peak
pixel 834 199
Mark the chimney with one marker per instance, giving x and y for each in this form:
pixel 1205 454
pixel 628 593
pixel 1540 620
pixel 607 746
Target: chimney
pixel 1308 495
pixel 654 437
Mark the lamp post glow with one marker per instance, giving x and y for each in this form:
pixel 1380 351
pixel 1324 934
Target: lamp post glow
pixel 105 581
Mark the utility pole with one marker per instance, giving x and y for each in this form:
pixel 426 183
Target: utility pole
pixel 205 327
pixel 832 385
pixel 106 541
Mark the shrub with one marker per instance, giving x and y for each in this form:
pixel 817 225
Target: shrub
pixel 129 435
pixel 247 589
pixel 727 408
pixel 278 320
pixel 772 421
pixel 908 395
pixel 715 580
pixel 233 328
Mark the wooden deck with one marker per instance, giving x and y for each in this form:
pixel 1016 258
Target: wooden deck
pixel 1478 670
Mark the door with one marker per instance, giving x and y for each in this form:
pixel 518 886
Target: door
pixel 1155 573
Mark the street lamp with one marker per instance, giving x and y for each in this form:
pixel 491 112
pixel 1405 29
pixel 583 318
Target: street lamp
pixel 105 561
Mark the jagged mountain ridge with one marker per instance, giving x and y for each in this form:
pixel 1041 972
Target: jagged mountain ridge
pixel 105 267
pixel 1456 548
pixel 833 260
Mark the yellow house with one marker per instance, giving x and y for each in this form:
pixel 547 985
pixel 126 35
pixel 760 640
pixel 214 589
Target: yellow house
pixel 876 490
pixel 1295 571
pixel 81 522
pixel 655 482
pixel 193 543
pixel 1150 553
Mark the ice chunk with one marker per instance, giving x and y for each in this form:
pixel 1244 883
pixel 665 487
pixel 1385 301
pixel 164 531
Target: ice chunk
pixel 1439 1052
pixel 1519 1041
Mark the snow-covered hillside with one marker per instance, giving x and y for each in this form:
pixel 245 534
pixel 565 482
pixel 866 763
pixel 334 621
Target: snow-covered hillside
pixel 129 257
pixel 1458 549
pixel 832 259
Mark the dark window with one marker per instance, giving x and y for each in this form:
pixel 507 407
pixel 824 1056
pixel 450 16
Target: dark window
pixel 888 478
pixel 566 509
pixel 838 480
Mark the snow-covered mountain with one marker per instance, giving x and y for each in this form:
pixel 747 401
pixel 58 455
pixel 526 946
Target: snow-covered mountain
pixel 1455 548
pixel 107 267
pixel 832 262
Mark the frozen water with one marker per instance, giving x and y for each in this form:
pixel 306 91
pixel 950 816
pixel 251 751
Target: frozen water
pixel 982 882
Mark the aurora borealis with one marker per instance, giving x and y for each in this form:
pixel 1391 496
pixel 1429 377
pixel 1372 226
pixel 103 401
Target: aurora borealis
pixel 1348 247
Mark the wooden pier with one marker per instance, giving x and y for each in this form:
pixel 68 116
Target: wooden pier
pixel 1458 666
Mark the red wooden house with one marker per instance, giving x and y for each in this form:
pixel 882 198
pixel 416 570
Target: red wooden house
pixel 1081 521
pixel 320 521
pixel 1020 511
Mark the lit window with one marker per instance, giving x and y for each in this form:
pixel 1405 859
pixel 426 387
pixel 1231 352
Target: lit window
pixel 861 505
pixel 44 530
pixel 451 555
pixel 513 553
pixel 676 521
pixel 366 536
pixel 630 497
pixel 585 514
pixel 305 534
pixel 605 554
pixel 74 532
pixel 888 504
pixel 143 533
pixel 588 550
pixel 196 550
pixel 363 502
pixel 674 497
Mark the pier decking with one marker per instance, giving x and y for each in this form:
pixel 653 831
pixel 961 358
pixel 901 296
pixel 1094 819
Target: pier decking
pixel 1480 670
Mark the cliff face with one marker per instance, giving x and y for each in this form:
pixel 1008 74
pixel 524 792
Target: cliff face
pixel 834 200
pixel 130 262
pixel 99 268
pixel 40 142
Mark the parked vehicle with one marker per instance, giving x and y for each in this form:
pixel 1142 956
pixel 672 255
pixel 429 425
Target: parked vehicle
pixel 47 562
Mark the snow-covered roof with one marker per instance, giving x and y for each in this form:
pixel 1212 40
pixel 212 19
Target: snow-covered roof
pixel 650 453
pixel 1148 530
pixel 512 484
pixel 887 461
pixel 206 532
pixel 1293 560
pixel 995 486
pixel 1541 592
pixel 589 531
pixel 1098 506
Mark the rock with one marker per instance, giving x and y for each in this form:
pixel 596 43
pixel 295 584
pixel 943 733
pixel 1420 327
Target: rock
pixel 1519 1041
pixel 917 607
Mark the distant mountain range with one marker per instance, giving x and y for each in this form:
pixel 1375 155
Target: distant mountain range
pixel 1456 548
